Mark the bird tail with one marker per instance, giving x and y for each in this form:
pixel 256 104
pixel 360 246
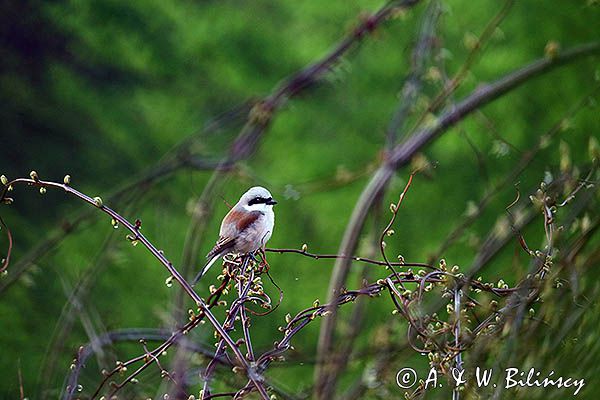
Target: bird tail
pixel 205 269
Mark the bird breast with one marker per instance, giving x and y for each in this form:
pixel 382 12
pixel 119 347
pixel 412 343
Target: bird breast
pixel 251 230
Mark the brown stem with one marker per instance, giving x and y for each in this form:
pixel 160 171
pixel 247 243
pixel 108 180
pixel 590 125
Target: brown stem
pixel 138 236
pixel 353 258
pixel 403 153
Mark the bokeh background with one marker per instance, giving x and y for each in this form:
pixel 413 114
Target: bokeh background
pixel 106 91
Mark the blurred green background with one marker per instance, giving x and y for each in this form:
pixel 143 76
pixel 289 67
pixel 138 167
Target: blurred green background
pixel 105 90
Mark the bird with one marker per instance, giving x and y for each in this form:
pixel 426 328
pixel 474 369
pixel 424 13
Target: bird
pixel 247 227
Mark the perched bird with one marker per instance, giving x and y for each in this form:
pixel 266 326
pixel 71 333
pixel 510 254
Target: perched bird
pixel 246 228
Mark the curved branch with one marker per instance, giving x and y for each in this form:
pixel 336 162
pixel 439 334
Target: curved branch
pixel 133 335
pixel 402 153
pixel 137 236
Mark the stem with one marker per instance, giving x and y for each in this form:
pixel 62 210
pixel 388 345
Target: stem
pixel 458 358
pixel 135 230
pixel 403 153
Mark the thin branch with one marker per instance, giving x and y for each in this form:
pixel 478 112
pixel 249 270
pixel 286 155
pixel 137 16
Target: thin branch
pixel 403 153
pixel 353 258
pixel 466 66
pixel 262 114
pixel 525 160
pixel 132 335
pixel 411 88
pixel 136 235
pixel 6 260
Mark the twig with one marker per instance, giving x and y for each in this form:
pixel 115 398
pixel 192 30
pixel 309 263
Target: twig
pixel 173 161
pixel 353 258
pixel 462 73
pixel 520 166
pixel 457 342
pixel 411 88
pixel 6 260
pixel 136 235
pixel 403 153
pixel 243 286
pixel 131 335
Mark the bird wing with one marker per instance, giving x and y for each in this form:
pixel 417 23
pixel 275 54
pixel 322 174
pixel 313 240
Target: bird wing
pixel 234 223
pixel 237 221
pixel 222 244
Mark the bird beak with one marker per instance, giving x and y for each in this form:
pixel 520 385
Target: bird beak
pixel 271 202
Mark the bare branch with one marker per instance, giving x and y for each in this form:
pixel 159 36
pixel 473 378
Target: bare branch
pixel 403 153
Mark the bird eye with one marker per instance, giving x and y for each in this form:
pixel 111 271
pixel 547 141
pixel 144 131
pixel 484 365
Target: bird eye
pixel 256 200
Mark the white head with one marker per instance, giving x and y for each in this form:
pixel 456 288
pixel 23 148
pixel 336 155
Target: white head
pixel 257 199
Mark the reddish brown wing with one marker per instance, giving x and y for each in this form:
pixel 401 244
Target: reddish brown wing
pixel 234 222
pixel 244 219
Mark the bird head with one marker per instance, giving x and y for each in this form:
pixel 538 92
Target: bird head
pixel 257 199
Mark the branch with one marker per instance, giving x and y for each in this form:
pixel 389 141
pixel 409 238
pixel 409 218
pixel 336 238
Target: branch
pixel 483 95
pixel 137 236
pixel 263 112
pixel 353 258
pixel 413 82
pixel 130 335
pixel 520 166
pixel 403 153
pixel 171 162
pixel 259 117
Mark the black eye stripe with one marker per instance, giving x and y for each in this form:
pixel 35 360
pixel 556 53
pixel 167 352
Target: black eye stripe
pixel 258 200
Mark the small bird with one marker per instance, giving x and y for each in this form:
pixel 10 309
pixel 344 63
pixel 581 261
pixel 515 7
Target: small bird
pixel 246 228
